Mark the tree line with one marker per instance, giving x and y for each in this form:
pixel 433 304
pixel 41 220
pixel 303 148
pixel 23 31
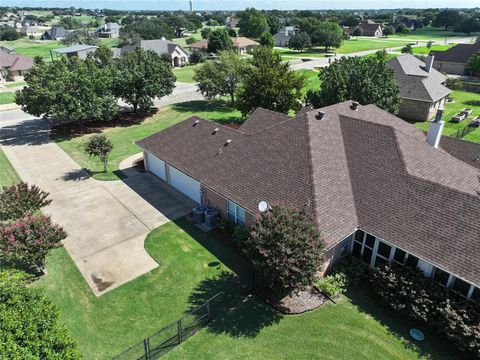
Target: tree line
pixel 76 90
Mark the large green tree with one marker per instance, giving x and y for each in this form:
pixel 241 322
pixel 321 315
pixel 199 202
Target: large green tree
pixel 142 76
pixel 270 83
pixel 300 41
pixel 447 19
pixel 219 40
pixel 328 34
pixel 252 23
pixel 69 90
pixel 147 29
pixel 366 80
pixel 473 65
pixel 285 249
pixel 468 25
pixel 221 77
pixel 267 39
pixel 30 325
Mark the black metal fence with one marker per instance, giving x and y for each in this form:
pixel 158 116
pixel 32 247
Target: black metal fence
pixel 172 335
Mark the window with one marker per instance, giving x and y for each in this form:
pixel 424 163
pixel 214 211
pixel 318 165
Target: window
pixel 345 247
pixel 461 286
pixel 359 236
pixel 476 295
pixel 236 214
pixel 399 256
pixel 357 250
pixel 441 277
pixel 367 255
pixel 370 241
pixel 384 250
pixel 412 261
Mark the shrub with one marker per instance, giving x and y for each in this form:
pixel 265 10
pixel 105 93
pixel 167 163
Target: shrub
pixel 410 293
pixel 332 285
pixel 407 49
pixel 240 235
pixel 190 40
pixel 197 57
pixel 353 270
pixel 30 326
pixel 453 83
pixel 227 226
pixel 26 243
pixel 18 200
pixel 285 248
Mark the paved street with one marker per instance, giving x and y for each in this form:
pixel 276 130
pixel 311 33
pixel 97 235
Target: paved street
pixel 106 222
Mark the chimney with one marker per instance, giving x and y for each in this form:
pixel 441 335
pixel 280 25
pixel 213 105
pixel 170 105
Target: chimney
pixel 435 130
pixel 354 106
pixel 429 63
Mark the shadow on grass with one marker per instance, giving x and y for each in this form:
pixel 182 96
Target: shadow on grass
pixel 435 346
pixel 475 103
pixel 235 312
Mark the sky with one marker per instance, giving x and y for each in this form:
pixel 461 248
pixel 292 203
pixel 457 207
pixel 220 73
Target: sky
pixel 242 4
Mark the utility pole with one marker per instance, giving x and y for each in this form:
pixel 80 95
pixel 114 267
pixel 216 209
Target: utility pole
pixel 191 5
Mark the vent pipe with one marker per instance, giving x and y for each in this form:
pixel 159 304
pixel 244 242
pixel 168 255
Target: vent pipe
pixel 320 115
pixel 215 131
pixel 354 106
pixel 435 130
pixel 196 122
pixel 227 142
pixel 429 63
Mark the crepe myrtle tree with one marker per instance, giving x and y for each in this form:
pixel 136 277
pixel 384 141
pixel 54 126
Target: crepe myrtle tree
pixel 99 145
pixel 18 200
pixel 285 248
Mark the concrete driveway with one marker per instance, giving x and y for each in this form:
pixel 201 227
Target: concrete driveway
pixel 107 222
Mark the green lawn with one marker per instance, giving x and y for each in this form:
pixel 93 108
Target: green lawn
pixel 461 100
pixel 32 48
pixel 123 138
pixel 15 84
pixel 357 327
pixel 348 46
pixel 182 41
pixel 191 268
pixel 7 98
pixel 430 33
pixel 185 74
pixel 312 81
pixel 8 175
pixel 426 50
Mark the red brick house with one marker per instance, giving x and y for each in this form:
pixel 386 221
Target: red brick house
pixel 381 190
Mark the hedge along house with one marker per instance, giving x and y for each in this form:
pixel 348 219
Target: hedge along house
pixel 381 190
pixel 422 90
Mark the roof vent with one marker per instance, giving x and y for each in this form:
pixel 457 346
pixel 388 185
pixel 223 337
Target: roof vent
pixel 354 106
pixel 227 142
pixel 196 122
pixel 215 131
pixel 320 115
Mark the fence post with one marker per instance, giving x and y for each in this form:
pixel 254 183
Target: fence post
pixel 146 346
pixel 179 331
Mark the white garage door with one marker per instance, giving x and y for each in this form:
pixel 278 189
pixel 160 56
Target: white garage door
pixel 156 166
pixel 184 183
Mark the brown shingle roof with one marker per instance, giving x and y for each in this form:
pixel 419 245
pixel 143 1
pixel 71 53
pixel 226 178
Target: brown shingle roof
pixel 363 168
pixel 458 54
pixel 14 62
pixel 238 42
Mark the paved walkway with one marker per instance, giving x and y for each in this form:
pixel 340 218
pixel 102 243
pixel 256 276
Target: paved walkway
pixel 107 222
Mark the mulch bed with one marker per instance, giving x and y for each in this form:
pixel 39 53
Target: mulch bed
pixel 73 129
pixel 297 302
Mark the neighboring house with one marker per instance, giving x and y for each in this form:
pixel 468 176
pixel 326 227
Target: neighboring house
pixel 55 33
pixel 6 50
pixel 380 189
pixel 369 28
pixel 13 67
pixel 108 30
pixel 422 89
pixel 410 21
pixel 29 30
pixel 179 56
pixel 283 35
pixel 241 44
pixel 232 22
pixel 80 51
pixel 453 60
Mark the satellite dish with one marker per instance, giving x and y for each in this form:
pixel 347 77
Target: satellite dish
pixel 263 206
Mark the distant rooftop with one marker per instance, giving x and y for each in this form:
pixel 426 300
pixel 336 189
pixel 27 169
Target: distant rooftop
pixel 74 49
